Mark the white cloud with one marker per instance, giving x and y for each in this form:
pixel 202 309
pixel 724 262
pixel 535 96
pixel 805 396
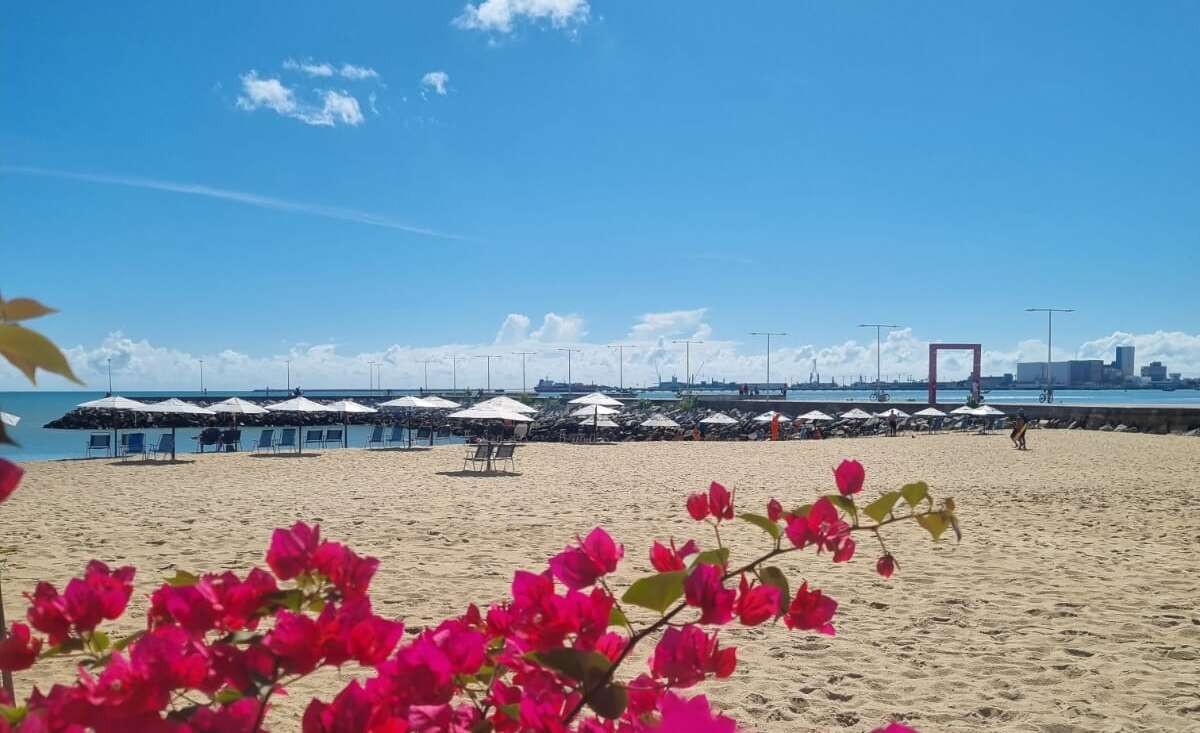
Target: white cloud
pixel 437 81
pixel 341 107
pixel 269 93
pixel 350 71
pixel 499 16
pixel 671 324
pixel 309 67
pixel 559 329
pixel 335 107
pixel 514 330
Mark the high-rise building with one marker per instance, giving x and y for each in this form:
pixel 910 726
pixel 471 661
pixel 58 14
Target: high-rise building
pixel 1155 371
pixel 1124 360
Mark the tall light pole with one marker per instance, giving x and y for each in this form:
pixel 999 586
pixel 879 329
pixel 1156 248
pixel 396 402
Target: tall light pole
pixel 523 354
pixel 1048 390
pixel 768 334
pixel 289 375
pixel 201 377
pixel 454 371
pixel 569 352
pixel 371 377
pixel 621 361
pixel 879 394
pixel 489 358
pixel 110 376
pixel 426 362
pixel 687 358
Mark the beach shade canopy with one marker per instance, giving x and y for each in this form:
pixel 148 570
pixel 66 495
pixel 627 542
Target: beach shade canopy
pixel 9 419
pixel 929 412
pixel 770 415
pixel 238 406
pixel 410 402
pixel 596 424
pixel 174 406
pixel 298 405
pixel 596 398
pixel 112 403
pixel 507 404
pixel 814 416
pixel 594 411
pixel 659 420
pixel 892 412
pixel 856 414
pixel 441 402
pixel 964 410
pixel 987 411
pixel 719 418
pixel 349 406
pixel 489 413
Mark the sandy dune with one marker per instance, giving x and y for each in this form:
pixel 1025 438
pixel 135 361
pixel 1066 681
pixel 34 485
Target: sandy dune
pixel 1071 605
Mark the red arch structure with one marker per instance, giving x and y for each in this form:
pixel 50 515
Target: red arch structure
pixel 975 350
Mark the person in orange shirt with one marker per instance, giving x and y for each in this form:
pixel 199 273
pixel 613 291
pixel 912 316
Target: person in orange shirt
pixel 775 426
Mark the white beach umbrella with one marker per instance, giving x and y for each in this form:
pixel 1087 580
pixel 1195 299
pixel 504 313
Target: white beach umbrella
pixel 299 405
pixel 9 419
pixel 441 402
pixel 719 418
pixel 508 404
pixel 605 423
pixel 814 416
pixel 594 411
pixel 964 410
pixel 659 420
pixel 347 407
pixel 856 414
pixel 487 413
pixel 409 403
pixel 892 412
pixel 987 411
pixel 113 403
pixel 174 406
pixel 929 412
pixel 238 406
pixel 769 415
pixel 596 398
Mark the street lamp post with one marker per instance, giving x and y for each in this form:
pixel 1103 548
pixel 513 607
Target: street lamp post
pixel 371 377
pixel 687 358
pixel 289 375
pixel 426 363
pixel 201 377
pixel 621 361
pixel 523 354
pixel 454 371
pixel 569 352
pixel 768 334
pixel 1047 395
pixel 489 358
pixel 880 395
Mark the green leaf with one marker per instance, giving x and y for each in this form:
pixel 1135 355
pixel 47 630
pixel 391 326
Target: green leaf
pixel 29 351
pixel 772 575
pixel 98 642
pixel 845 503
pixel 227 695
pixel 291 599
pixel 68 646
pixel 802 511
pixel 915 493
pixel 766 524
pixel 316 604
pixel 512 710
pixel 22 309
pixel 609 701
pixel 120 644
pixel 718 557
pixel 182 578
pixel 656 592
pixel 881 507
pixel 616 617
pixel 579 665
pixel 935 524
pixel 12 715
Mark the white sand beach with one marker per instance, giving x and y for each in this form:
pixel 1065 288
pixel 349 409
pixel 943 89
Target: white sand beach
pixel 1070 605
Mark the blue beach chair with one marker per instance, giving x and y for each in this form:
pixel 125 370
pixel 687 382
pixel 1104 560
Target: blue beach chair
pixel 333 436
pixel 376 438
pixel 166 445
pixel 99 441
pixel 314 437
pixel 397 435
pixel 287 439
pixel 266 441
pixel 135 445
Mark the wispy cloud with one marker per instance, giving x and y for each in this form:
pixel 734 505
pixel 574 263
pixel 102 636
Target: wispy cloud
pixel 437 81
pixel 499 16
pixel 252 199
pixel 350 71
pixel 309 67
pixel 335 107
pixel 324 69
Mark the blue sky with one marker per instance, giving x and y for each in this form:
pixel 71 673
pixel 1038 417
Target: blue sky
pixel 264 179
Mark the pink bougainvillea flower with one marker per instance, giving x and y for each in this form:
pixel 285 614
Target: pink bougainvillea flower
pixel 886 565
pixel 351 710
pixel 811 611
pixel 611 645
pixel 694 715
pixel 756 603
pixel 844 551
pixel 296 642
pixel 580 567
pixel 703 588
pixel 348 572
pixel 720 501
pixel 19 650
pixel 697 506
pixel 774 510
pixel 292 550
pixel 894 727
pixel 666 559
pixel 849 476
pixel 10 478
pixel 685 656
pixel 821 527
pixel 48 613
pixel 111 588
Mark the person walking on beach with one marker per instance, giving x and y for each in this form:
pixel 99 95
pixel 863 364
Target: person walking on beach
pixel 891 426
pixel 1020 425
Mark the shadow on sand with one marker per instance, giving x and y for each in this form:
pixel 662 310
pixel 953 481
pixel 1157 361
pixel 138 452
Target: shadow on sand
pixel 285 455
pixel 400 449
pixel 480 474
pixel 152 462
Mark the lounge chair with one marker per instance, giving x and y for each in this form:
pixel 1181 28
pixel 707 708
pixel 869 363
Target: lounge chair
pixel 100 442
pixel 397 435
pixel 480 453
pixel 135 445
pixel 425 434
pixel 333 436
pixel 442 434
pixel 287 439
pixel 505 452
pixel 266 441
pixel 231 440
pixel 208 436
pixel 314 436
pixel 376 436
pixel 166 445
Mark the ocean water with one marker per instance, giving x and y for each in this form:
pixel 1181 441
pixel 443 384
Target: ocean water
pixel 36 408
